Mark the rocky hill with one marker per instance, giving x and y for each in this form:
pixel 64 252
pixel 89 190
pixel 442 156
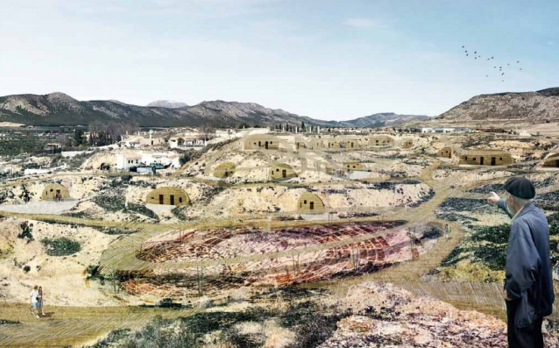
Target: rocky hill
pixel 61 109
pixel 386 119
pixel 537 107
pixel 170 104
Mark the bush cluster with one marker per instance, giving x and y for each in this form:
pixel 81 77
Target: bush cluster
pixel 62 246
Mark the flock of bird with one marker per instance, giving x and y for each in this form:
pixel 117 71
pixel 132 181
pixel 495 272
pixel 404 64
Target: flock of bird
pixel 500 68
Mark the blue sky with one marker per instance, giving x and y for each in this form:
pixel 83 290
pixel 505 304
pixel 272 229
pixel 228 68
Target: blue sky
pixel 325 59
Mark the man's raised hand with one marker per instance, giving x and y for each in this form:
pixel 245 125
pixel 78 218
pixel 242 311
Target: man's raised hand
pixel 493 198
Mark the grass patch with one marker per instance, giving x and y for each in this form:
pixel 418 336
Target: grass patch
pixel 61 246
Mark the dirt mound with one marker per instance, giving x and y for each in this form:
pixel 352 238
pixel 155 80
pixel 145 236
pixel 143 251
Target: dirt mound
pixel 385 315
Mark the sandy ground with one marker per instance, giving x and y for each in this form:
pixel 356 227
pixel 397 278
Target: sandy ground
pixel 62 277
pixel 41 207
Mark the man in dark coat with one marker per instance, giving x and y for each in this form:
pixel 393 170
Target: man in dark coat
pixel 528 288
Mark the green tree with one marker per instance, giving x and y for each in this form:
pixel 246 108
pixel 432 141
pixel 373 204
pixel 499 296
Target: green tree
pixel 78 136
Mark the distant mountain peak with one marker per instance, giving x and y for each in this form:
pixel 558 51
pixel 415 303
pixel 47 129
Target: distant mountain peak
pixel 169 104
pixel 59 96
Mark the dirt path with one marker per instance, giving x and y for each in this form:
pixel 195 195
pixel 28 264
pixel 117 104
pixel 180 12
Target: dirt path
pixel 73 325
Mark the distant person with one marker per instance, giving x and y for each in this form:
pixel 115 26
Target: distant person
pixel 446 231
pixel 528 289
pixel 35 301
pixel 41 299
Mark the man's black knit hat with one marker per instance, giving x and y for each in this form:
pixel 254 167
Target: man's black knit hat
pixel 520 187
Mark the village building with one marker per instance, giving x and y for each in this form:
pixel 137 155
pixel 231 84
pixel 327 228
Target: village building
pixel 189 139
pixel 353 142
pixel 445 152
pixel 486 158
pixel 408 143
pixel 279 171
pixel 381 141
pixel 315 143
pixel 53 147
pixel 261 142
pixel 310 203
pixel 143 139
pixel 353 166
pixel 167 196
pixel 224 170
pixel 444 130
pixel 551 161
pixel 128 160
pixel 51 191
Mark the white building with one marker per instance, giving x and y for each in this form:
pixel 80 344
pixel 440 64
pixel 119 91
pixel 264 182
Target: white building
pixel 187 140
pixel 444 130
pixel 125 160
pixel 143 139
pixel 427 130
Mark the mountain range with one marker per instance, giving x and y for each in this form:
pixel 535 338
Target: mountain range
pixel 535 107
pixel 61 109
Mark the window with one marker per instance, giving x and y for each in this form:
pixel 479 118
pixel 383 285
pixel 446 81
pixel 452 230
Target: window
pixel 305 201
pixel 501 158
pixel 277 170
pixel 50 190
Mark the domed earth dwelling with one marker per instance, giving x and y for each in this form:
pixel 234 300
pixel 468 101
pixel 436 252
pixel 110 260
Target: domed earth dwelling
pixel 310 203
pixel 408 143
pixel 280 171
pixel 486 158
pixel 224 170
pixel 381 141
pixel 51 190
pixel 445 152
pixel 167 196
pixel 551 161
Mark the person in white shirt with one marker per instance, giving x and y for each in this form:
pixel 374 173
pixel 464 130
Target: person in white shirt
pixel 35 301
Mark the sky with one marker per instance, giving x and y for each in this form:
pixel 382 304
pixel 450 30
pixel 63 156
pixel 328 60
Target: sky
pixel 327 59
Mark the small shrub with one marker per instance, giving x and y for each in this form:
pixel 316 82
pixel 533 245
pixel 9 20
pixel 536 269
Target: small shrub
pixel 61 246
pixel 141 209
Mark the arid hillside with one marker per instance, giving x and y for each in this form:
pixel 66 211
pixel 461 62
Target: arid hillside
pixel 536 107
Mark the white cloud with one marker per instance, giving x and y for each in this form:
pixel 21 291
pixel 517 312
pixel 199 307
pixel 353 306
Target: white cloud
pixel 361 22
pixel 551 43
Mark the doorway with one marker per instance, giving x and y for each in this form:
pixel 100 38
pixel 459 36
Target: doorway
pixel 172 199
pixel 160 199
pixel 481 160
pixel 311 207
pixel 493 161
pixel 284 173
pixel 266 145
